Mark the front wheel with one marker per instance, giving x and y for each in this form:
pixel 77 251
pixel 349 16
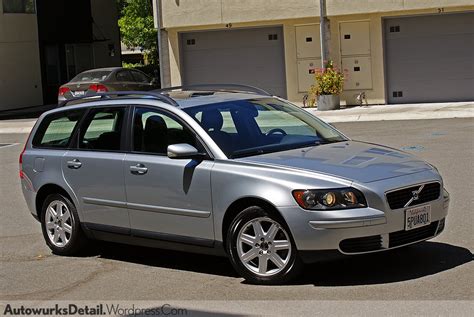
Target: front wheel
pixel 261 248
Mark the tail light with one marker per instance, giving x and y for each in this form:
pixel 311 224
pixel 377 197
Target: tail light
pixel 98 88
pixel 20 161
pixel 63 90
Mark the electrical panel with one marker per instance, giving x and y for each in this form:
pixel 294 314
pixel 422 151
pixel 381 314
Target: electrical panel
pixel 306 70
pixel 355 38
pixel 358 72
pixel 308 41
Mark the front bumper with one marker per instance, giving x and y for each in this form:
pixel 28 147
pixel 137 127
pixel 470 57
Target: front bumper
pixel 359 231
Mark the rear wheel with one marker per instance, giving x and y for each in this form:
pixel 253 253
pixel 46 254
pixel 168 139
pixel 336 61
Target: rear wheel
pixel 61 228
pixel 261 248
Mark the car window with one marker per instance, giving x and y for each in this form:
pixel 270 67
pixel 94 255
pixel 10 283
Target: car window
pixel 153 131
pixel 124 75
pixel 102 130
pixel 140 77
pixel 55 130
pixel 91 76
pixel 228 124
pixel 261 125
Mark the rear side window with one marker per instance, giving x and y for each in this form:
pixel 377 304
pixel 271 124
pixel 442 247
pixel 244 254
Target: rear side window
pixel 102 129
pixel 56 130
pixel 124 75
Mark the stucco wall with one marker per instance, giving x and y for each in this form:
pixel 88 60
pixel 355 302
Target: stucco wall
pixel 376 95
pixel 20 72
pixel 180 13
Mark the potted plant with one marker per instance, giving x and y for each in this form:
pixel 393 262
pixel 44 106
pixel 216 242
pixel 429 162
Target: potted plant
pixel 329 83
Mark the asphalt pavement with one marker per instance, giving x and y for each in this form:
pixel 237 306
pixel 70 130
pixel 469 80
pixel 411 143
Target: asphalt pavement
pixel 439 272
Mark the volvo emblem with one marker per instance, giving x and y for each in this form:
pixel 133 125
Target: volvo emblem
pixel 415 195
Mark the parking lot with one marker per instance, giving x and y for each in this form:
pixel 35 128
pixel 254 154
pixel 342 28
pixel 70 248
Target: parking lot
pixel 434 270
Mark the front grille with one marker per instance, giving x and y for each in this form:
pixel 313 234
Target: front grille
pixel 405 237
pixel 399 198
pixel 363 244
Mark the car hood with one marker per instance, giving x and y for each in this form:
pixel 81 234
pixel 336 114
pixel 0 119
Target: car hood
pixel 351 160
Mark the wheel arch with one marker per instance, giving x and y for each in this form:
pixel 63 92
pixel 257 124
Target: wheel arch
pixel 244 202
pixel 45 191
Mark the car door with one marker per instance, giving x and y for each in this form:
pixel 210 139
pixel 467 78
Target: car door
pixel 168 199
pixel 124 81
pixel 143 81
pixel 93 169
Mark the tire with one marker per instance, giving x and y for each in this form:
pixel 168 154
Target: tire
pixel 261 248
pixel 62 233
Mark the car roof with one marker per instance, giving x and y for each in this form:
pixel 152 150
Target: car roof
pixel 104 69
pixel 189 99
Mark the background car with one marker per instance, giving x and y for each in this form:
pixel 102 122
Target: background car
pixel 105 80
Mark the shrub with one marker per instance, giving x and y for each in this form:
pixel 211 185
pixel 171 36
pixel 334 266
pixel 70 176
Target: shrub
pixel 328 81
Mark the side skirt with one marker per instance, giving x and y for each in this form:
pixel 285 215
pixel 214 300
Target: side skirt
pixel 154 239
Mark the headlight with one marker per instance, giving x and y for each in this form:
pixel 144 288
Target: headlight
pixel 326 199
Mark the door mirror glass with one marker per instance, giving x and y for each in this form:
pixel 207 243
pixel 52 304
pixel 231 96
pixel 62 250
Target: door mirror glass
pixel 183 151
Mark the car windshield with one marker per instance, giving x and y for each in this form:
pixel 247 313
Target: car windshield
pixel 91 76
pixel 256 126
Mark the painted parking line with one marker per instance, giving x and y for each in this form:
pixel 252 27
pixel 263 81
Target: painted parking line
pixel 5 145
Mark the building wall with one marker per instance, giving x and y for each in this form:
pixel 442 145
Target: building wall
pixel 106 33
pixel 180 13
pixel 235 11
pixel 20 70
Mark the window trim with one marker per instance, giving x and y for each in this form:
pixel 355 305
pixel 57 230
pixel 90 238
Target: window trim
pixel 172 116
pixel 123 138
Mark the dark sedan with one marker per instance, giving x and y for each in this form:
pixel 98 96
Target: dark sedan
pixel 105 80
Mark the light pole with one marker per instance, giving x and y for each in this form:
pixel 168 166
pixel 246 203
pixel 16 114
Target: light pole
pixel 325 33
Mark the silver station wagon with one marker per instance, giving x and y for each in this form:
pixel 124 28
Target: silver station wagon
pixel 227 170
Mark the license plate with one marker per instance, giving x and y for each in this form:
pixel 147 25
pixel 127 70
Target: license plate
pixel 417 217
pixel 79 93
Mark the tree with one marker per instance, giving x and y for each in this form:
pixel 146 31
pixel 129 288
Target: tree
pixel 137 28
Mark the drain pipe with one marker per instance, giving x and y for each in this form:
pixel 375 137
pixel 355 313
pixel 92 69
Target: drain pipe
pixel 163 48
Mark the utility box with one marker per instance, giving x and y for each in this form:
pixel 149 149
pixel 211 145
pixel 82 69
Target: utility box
pixel 358 72
pixel 308 41
pixel 306 70
pixel 355 38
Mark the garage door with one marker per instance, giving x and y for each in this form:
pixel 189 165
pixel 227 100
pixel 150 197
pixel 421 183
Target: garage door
pixel 245 56
pixel 430 58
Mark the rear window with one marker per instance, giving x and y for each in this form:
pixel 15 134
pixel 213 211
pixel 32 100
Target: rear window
pixel 55 130
pixel 91 76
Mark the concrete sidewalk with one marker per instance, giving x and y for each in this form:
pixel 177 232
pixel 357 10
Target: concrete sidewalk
pixel 352 114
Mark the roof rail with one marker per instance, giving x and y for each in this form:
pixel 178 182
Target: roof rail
pixel 218 87
pixel 153 94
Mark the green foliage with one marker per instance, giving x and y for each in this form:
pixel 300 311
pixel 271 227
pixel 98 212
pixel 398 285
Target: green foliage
pixel 328 81
pixel 137 28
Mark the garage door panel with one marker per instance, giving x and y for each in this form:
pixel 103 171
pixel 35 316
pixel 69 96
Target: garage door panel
pixel 247 56
pixel 425 61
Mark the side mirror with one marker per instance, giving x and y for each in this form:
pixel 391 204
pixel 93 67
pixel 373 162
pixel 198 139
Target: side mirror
pixel 183 151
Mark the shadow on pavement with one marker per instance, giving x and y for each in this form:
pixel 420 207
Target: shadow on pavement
pixel 399 265
pixel 175 260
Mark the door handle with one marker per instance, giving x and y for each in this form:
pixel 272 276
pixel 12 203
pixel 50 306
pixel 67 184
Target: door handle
pixel 74 164
pixel 138 169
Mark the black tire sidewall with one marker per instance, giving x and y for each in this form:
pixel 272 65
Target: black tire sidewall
pixel 77 239
pixel 294 264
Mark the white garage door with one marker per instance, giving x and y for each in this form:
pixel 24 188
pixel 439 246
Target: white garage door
pixel 244 56
pixel 430 58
